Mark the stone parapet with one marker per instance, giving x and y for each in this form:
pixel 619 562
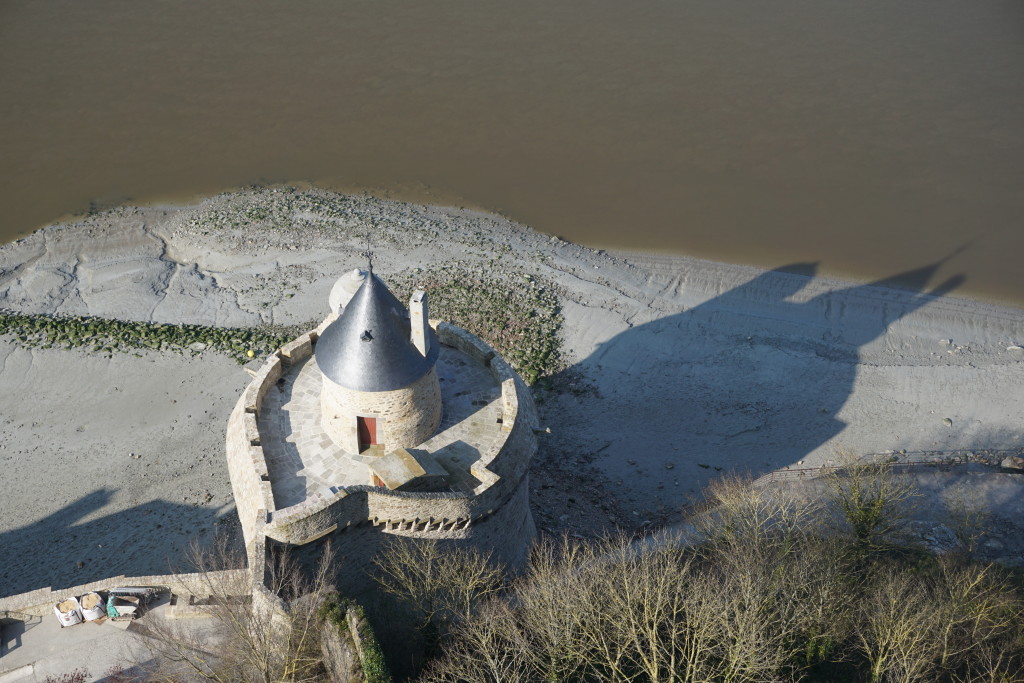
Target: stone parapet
pixel 325 324
pixel 370 505
pixel 299 348
pixel 494 515
pixel 411 512
pixel 405 512
pixel 264 378
pixel 250 430
pixel 247 465
pixel 40 602
pixel 464 341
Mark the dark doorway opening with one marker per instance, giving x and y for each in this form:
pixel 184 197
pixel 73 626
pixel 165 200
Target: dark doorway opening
pixel 367 429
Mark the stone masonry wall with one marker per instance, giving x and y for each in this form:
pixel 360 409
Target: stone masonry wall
pixel 40 602
pixel 248 471
pixel 405 417
pixel 247 467
pixel 495 518
pixel 506 535
pixel 500 471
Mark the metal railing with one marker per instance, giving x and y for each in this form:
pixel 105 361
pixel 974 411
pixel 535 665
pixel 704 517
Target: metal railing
pixel 942 460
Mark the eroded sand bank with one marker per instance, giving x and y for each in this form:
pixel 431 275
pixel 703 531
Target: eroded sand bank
pixel 676 369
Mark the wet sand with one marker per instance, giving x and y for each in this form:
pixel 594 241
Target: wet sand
pixel 677 369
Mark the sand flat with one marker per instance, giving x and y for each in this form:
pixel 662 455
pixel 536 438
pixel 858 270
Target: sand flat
pixel 677 369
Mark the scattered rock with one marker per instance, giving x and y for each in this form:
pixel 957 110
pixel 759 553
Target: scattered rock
pixel 940 539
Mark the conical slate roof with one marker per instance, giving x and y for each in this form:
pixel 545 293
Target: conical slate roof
pixel 368 347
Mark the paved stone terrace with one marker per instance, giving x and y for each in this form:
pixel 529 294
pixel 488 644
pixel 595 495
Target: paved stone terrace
pixel 303 460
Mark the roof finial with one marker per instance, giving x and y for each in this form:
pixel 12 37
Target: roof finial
pixel 368 254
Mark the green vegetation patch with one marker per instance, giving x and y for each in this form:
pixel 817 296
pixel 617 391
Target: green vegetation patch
pixel 312 212
pixel 107 335
pixel 274 208
pixel 334 610
pixel 517 313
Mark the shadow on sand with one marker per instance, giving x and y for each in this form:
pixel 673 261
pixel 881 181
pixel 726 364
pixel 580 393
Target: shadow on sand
pixel 751 379
pixel 143 540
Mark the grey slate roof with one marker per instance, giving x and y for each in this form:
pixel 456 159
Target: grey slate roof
pixel 368 347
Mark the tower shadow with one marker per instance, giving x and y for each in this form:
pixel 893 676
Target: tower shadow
pixel 749 380
pixel 77 544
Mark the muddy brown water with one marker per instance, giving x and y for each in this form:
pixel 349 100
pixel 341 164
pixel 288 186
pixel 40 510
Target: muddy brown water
pixel 871 136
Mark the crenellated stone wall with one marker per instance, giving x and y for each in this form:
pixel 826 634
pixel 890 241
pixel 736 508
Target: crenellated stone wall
pixel 247 465
pixel 411 513
pixel 495 517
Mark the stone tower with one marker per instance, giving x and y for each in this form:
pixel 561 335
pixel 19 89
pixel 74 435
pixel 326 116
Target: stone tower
pixel 380 386
pixel 381 423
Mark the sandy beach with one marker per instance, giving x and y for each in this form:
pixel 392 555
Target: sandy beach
pixel 674 369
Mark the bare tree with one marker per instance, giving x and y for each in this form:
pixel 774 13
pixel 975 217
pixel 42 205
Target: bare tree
pixel 896 629
pixel 267 640
pixel 739 513
pixel 780 583
pixel 661 612
pixel 553 606
pixel 766 590
pixel 968 515
pixel 977 608
pixel 819 599
pixel 536 631
pixel 486 648
pixel 439 583
pixel 873 501
pixel 999 660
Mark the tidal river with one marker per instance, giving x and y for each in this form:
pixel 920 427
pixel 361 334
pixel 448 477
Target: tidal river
pixel 871 136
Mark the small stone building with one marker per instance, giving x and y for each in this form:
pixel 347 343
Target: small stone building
pixel 382 422
pixel 380 385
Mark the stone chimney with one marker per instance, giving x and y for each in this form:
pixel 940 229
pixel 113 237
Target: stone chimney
pixel 419 322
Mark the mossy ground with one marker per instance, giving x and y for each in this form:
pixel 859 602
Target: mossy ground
pixel 517 313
